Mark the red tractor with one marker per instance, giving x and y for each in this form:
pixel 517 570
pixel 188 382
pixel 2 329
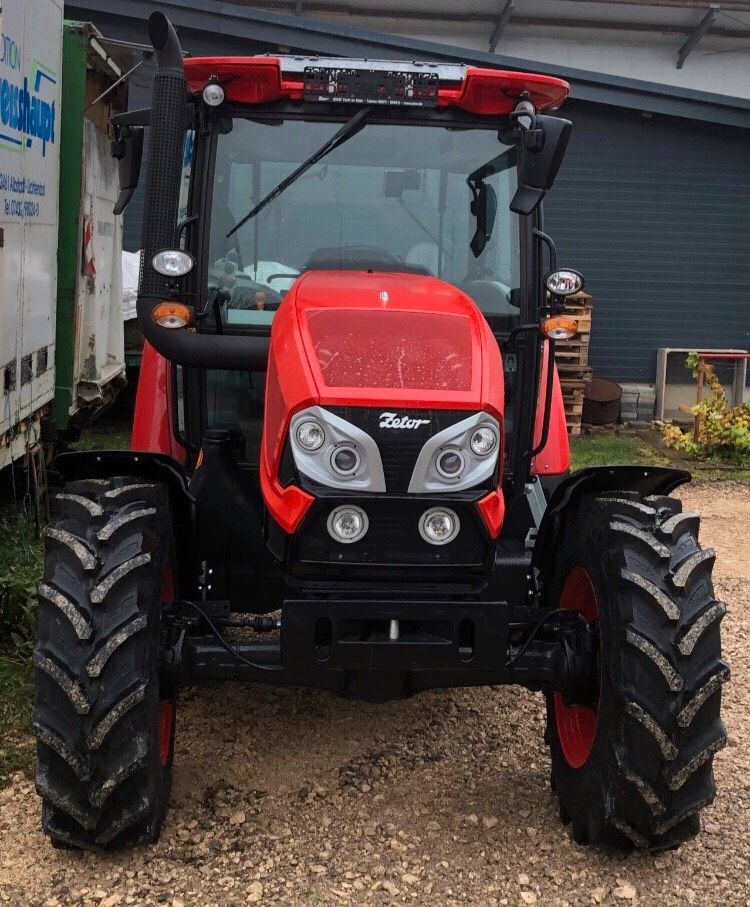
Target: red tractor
pixel 350 467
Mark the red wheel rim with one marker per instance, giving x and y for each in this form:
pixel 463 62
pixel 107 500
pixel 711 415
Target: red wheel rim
pixel 166 706
pixel 576 725
pixel 166 719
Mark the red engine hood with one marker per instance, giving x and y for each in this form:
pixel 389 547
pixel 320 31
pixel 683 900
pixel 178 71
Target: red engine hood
pixel 360 338
pixel 373 338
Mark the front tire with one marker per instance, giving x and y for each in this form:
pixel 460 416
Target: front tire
pixel 103 720
pixel 634 767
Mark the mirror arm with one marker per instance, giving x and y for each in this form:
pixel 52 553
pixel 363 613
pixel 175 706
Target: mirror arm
pixel 547 240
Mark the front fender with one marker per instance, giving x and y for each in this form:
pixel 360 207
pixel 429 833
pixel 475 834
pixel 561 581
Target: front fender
pixel 592 481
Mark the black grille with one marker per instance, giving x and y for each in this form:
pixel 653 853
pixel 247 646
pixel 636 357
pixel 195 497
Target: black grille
pixel 393 538
pixel 400 447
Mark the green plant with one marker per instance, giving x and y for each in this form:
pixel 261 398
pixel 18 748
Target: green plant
pixel 722 431
pixel 20 568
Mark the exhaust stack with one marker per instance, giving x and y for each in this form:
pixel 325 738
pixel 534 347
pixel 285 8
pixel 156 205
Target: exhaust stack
pixel 166 140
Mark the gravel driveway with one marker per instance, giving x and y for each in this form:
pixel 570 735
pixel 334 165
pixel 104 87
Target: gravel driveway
pixel 297 797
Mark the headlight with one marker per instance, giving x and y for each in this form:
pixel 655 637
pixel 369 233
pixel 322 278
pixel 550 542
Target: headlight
pixel 310 435
pixel 213 94
pixel 484 441
pixel 347 524
pixel 172 263
pixel 459 457
pixel 333 452
pixel 345 460
pixel 438 526
pixel 450 463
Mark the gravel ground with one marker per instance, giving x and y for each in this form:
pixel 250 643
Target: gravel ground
pixel 297 797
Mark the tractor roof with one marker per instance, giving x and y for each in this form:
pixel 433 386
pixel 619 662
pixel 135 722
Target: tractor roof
pixel 263 79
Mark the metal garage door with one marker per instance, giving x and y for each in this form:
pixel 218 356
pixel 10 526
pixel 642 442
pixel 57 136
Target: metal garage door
pixel 655 211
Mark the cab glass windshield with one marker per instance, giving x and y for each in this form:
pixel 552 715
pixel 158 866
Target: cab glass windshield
pixel 390 197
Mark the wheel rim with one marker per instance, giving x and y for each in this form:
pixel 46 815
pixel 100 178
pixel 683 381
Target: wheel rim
pixel 166 706
pixel 576 725
pixel 166 720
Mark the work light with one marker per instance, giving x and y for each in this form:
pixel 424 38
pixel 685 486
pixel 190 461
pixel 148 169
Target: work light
pixel 172 262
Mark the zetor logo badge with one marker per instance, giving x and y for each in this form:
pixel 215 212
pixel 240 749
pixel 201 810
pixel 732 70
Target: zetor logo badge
pixel 393 420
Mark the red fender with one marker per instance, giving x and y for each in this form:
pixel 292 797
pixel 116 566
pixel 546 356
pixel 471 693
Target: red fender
pixel 554 458
pixel 152 421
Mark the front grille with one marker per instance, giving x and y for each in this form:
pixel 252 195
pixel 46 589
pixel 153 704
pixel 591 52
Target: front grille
pixel 393 538
pixel 400 447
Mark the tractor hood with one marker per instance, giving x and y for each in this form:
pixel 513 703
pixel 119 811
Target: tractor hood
pixel 374 338
pixel 400 342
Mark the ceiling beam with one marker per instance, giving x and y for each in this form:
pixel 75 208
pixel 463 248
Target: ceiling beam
pixel 503 17
pixel 698 32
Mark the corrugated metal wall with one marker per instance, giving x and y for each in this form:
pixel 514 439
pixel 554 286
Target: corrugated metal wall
pixel 656 213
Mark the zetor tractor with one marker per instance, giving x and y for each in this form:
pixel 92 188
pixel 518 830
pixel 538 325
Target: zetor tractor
pixel 350 467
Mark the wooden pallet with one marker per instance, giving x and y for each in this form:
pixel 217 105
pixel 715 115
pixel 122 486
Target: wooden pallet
pixel 572 358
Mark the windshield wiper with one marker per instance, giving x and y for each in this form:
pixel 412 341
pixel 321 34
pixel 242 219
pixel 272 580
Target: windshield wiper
pixel 349 129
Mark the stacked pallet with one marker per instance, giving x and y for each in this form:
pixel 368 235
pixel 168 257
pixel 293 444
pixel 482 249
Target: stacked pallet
pixel 572 358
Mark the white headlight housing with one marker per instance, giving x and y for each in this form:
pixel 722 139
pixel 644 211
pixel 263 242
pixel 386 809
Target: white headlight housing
pixel 172 263
pixel 458 457
pixel 333 452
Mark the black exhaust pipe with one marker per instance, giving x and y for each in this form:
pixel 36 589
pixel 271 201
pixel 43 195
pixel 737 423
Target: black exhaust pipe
pixel 166 143
pixel 168 125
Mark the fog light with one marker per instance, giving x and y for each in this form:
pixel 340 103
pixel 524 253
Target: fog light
pixel 347 524
pixel 438 526
pixel 171 315
pixel 345 460
pixel 310 435
pixel 484 441
pixel 450 464
pixel 172 263
pixel 213 94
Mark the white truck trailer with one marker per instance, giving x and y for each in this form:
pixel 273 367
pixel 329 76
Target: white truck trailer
pixel 30 90
pixel 61 333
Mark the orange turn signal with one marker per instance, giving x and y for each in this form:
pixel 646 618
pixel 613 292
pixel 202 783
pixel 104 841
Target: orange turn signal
pixel 171 315
pixel 559 327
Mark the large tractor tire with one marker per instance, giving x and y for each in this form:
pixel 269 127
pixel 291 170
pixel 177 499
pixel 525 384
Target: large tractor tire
pixel 103 720
pixel 633 768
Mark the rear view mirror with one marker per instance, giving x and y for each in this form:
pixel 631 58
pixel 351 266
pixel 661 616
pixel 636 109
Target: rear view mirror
pixel 484 208
pixel 127 149
pixel 539 161
pixel 396 182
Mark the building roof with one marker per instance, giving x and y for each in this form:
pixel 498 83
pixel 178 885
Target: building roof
pixel 240 26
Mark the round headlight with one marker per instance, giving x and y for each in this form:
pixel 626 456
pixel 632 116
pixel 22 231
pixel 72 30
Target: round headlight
pixel 450 463
pixel 347 524
pixel 565 282
pixel 483 441
pixel 213 94
pixel 438 526
pixel 345 460
pixel 172 263
pixel 310 435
